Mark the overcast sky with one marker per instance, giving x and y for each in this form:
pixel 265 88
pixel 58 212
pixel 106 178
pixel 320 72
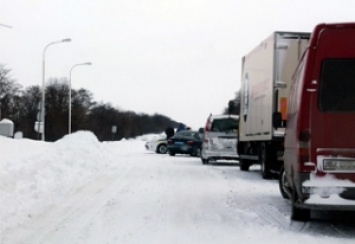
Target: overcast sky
pixel 179 58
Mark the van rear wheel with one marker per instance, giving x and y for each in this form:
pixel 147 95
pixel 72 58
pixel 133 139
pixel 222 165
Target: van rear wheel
pixel 283 184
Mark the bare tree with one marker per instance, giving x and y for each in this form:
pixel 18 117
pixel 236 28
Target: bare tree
pixel 9 92
pixel 29 108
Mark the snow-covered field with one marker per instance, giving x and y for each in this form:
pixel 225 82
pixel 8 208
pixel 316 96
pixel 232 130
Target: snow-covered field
pixel 80 190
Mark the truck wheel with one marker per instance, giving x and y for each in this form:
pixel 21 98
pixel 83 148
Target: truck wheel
pixel 283 184
pixel 162 149
pixel 299 214
pixel 244 164
pixel 264 160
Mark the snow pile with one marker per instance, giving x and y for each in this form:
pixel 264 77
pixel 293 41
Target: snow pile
pixel 34 174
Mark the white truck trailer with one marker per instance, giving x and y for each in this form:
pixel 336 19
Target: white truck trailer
pixel 265 84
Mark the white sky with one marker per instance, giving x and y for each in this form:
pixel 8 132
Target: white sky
pixel 177 58
pixel 80 190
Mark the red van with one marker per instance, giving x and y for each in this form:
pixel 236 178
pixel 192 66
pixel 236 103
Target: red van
pixel 319 156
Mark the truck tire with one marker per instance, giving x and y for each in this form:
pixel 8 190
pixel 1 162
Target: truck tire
pixel 264 160
pixel 299 214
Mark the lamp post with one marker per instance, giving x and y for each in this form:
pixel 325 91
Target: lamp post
pixel 43 85
pixel 69 109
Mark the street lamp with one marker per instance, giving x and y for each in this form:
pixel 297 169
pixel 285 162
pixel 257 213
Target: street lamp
pixel 69 109
pixel 43 85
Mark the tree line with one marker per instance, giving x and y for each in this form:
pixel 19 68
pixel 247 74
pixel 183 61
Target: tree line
pixel 21 106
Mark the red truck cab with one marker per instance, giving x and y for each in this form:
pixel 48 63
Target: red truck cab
pixel 319 156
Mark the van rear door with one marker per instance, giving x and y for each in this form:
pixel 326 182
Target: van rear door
pixel 332 103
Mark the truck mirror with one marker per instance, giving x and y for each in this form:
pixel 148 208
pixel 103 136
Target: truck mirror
pixel 281 85
pixel 276 119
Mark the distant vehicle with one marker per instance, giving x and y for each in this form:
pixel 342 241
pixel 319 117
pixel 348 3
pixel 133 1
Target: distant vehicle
pixel 319 158
pixel 158 145
pixel 220 138
pixel 266 77
pixel 185 142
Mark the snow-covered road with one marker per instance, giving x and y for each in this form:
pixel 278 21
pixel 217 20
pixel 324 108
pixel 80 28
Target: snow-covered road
pixel 151 198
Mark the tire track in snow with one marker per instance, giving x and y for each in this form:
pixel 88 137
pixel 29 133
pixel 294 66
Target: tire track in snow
pixel 270 210
pixel 271 215
pixel 71 213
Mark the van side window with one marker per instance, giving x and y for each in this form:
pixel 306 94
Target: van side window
pixel 337 85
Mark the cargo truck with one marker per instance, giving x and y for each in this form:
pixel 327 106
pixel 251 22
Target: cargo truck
pixel 265 85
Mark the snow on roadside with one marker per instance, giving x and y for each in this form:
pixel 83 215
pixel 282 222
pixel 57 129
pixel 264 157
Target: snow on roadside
pixel 35 174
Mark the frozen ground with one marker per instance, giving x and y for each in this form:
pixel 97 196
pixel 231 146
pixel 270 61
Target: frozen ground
pixel 78 190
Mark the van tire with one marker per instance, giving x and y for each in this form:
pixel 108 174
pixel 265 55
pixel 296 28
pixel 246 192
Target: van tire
pixel 264 160
pixel 283 184
pixel 299 214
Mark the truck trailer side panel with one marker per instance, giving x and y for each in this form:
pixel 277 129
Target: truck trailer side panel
pixel 256 97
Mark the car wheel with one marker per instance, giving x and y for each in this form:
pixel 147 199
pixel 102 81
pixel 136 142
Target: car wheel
pixel 204 161
pixel 299 214
pixel 264 159
pixel 162 149
pixel 283 184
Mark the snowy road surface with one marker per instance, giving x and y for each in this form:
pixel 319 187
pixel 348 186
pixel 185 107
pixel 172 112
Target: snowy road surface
pixel 151 198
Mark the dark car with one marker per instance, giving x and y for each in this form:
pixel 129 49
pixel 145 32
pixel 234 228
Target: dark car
pixel 185 142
